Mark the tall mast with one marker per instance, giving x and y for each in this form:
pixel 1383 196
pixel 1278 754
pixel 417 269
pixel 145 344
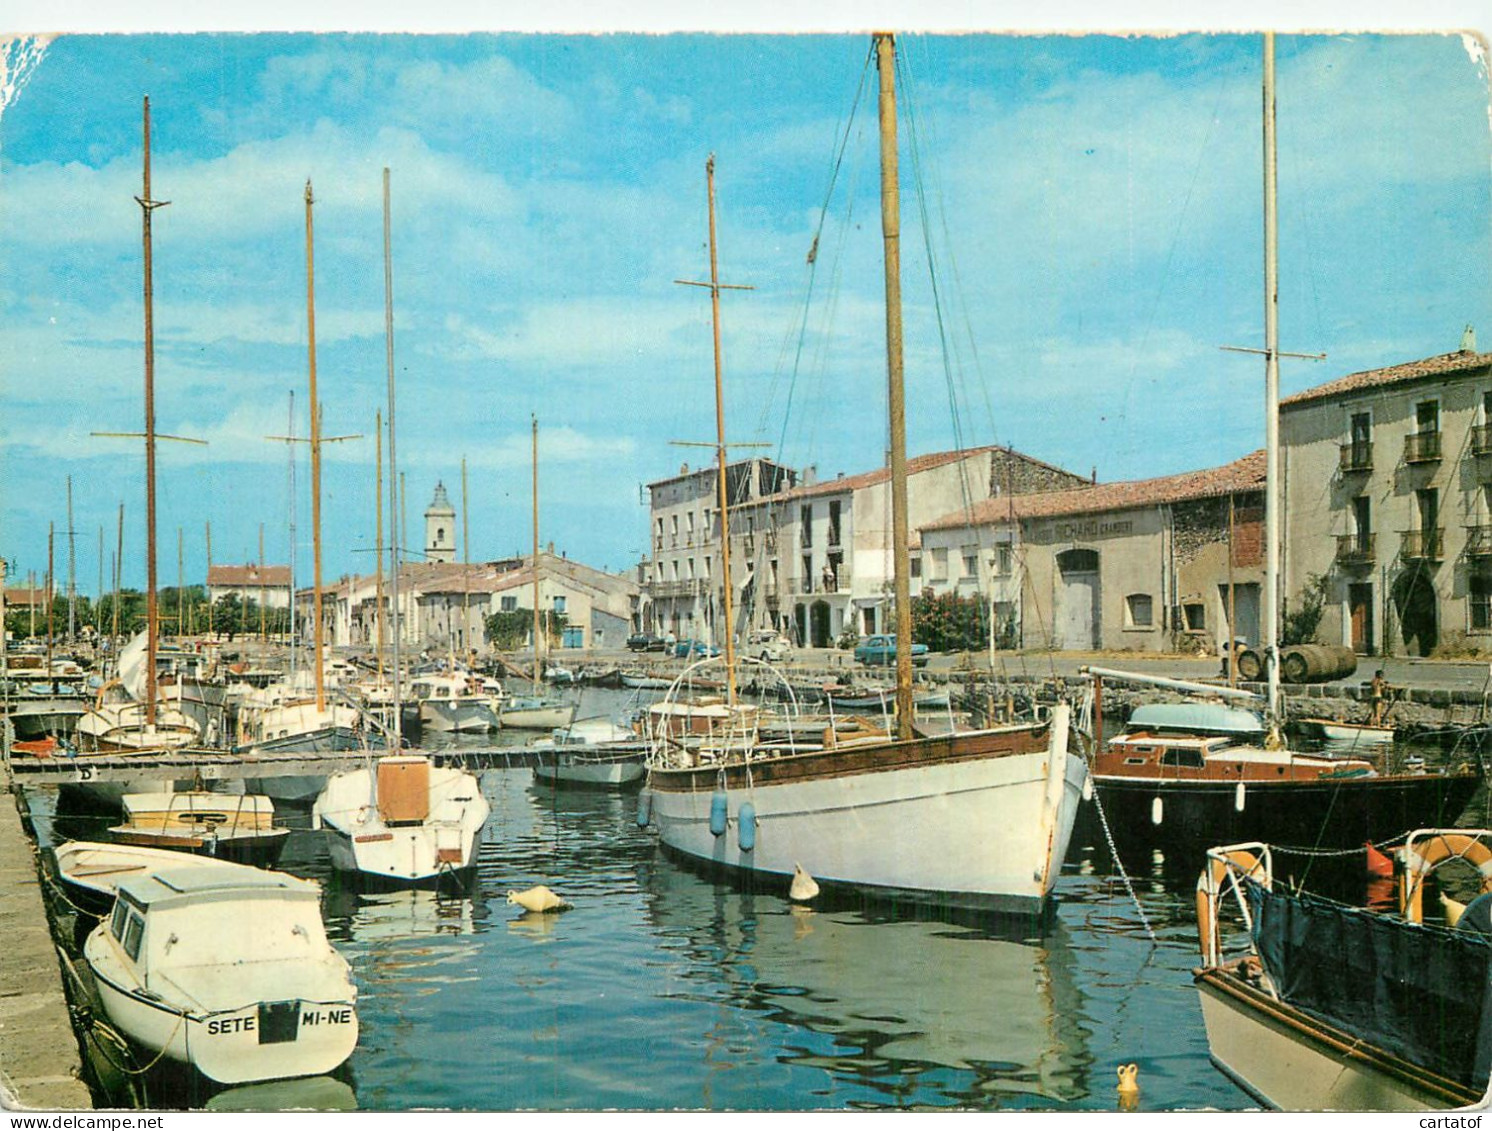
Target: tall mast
pixel 1271 388
pixel 394 481
pixel 50 586
pixel 315 451
pixel 538 671
pixel 263 585
pixel 72 566
pixel 152 613
pixel 378 508
pixel 891 237
pixel 730 645
pixel 98 609
pixel 118 573
pixel 465 563
pixel 208 584
pixel 180 578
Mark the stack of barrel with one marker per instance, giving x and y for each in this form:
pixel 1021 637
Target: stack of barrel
pixel 1301 663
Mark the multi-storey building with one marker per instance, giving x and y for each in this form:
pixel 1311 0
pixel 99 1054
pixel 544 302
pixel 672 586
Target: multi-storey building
pixel 1388 503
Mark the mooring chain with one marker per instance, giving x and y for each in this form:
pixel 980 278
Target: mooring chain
pixel 1119 864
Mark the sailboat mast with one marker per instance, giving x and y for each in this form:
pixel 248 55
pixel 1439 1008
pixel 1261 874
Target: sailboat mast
pixel 730 644
pixel 465 564
pixel 315 453
pixel 538 671
pixel 152 614
pixel 209 574
pixel 395 483
pixel 885 44
pixel 378 506
pixel 1271 386
pixel 72 565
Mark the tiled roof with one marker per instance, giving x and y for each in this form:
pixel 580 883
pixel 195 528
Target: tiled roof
pixel 1440 366
pixel 842 483
pixel 248 576
pixel 37 596
pixel 1246 474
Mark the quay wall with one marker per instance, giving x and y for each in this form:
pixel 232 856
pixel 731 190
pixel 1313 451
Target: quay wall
pixel 39 1061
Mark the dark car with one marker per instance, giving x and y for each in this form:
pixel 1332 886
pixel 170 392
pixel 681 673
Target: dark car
pixel 881 650
pixel 644 642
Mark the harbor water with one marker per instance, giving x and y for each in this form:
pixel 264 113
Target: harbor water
pixel 664 989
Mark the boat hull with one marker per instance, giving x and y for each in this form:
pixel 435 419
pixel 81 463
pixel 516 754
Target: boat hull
pixel 1289 1060
pixel 458 718
pixel 1323 813
pixel 538 718
pixel 401 858
pixel 227 1046
pixel 592 773
pixel 259 850
pixel 975 822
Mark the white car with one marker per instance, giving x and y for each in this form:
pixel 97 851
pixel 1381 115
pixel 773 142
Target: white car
pixel 769 645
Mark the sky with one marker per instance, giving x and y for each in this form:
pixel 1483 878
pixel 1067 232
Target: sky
pixel 1081 234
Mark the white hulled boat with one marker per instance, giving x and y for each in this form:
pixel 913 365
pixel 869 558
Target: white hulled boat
pixel 228 970
pixel 454 702
pixel 91 872
pixel 403 822
pixel 973 821
pixel 230 826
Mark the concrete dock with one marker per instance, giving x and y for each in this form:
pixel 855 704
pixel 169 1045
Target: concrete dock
pixel 40 1066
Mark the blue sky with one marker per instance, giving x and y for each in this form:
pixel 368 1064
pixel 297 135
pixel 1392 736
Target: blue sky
pixel 1092 206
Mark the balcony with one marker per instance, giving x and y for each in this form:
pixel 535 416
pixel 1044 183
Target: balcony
pixel 1422 447
pixel 1356 456
pixel 659 590
pixel 1481 440
pixel 1479 541
pixel 1355 549
pixel 1423 545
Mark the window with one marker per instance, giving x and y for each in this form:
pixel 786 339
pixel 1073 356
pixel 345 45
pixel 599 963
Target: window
pixel 707 567
pixel 1195 615
pixel 676 569
pixel 940 563
pixel 134 931
pixel 1362 429
pixel 807 574
pixel 1003 563
pixel 1427 503
pixel 805 525
pixel 916 565
pixel 970 555
pixel 510 604
pixel 559 604
pixel 1139 610
pixel 1481 603
pixel 834 524
pixel 1427 417
pixel 690 565
pixel 1192 759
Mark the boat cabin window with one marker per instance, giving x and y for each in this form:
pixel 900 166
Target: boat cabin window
pixel 116 921
pixel 1135 761
pixel 1181 757
pixel 127 924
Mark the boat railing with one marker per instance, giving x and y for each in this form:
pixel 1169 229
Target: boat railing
pixel 1227 869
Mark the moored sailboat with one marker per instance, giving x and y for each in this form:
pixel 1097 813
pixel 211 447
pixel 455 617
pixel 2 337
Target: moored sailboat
pixel 974 821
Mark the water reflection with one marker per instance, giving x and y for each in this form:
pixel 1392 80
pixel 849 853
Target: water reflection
pixel 896 999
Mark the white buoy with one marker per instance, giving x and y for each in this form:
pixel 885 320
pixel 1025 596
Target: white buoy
pixel 538 899
pixel 804 887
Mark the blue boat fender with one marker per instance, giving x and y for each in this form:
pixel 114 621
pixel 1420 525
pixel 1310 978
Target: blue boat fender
pixel 746 827
pixel 644 808
pixel 718 812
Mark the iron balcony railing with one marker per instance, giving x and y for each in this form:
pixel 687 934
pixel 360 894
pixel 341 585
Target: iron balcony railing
pixel 1355 549
pixel 1421 447
pixel 1356 456
pixel 1423 545
pixel 1481 440
pixel 1479 541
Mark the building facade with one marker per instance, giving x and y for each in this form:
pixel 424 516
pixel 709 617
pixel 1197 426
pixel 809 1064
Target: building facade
pixel 1154 565
pixel 268 587
pixel 1388 504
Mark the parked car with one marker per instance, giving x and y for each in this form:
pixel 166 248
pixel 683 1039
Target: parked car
pixel 881 650
pixel 644 642
pixel 769 645
pixel 687 648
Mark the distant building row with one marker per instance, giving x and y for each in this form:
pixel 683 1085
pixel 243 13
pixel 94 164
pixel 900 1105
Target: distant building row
pixel 1387 488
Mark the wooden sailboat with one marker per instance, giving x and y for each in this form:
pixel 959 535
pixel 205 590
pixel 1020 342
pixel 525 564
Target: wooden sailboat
pixel 1336 1007
pixel 969 822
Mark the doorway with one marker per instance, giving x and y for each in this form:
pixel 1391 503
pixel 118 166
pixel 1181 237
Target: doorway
pixel 1078 621
pixel 1360 613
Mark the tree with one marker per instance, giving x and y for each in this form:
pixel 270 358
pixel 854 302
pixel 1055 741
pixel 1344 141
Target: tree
pixel 1299 624
pixel 946 622
pixel 509 630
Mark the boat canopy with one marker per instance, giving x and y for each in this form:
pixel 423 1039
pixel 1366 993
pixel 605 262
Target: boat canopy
pixel 1196 718
pixel 169 884
pixel 1418 991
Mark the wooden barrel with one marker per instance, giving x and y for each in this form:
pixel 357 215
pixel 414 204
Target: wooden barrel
pixel 1316 663
pixel 1250 665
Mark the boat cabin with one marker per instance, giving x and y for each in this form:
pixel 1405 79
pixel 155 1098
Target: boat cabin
pixel 1149 754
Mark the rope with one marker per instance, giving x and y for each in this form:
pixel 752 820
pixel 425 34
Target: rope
pixel 1103 821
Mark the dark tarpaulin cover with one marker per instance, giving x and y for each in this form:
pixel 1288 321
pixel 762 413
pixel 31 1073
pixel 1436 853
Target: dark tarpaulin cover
pixel 1422 993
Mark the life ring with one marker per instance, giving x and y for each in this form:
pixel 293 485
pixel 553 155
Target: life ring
pixel 1424 856
pixel 1210 888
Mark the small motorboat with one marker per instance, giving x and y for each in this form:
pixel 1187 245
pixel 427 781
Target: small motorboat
pixel 90 871
pixel 403 822
pixel 537 712
pixel 236 827
pixel 596 753
pixel 226 969
pixel 1340 733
